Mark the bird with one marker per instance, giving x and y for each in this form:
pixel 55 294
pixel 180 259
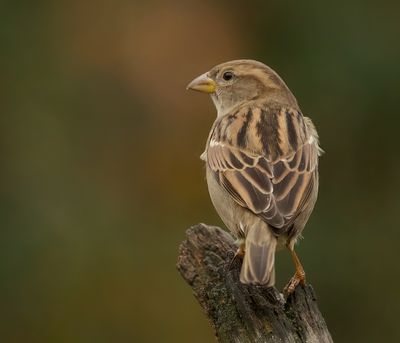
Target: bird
pixel 261 160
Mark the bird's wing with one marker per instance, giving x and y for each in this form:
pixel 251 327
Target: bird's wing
pixel 266 160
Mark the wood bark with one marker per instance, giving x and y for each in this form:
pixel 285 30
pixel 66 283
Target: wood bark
pixel 245 313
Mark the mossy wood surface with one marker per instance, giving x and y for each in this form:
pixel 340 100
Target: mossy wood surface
pixel 244 313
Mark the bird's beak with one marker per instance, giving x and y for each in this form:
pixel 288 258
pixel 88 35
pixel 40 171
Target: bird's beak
pixel 202 84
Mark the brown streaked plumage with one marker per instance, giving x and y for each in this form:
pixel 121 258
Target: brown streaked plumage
pixel 262 164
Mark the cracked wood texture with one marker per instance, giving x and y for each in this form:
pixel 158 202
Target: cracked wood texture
pixel 245 313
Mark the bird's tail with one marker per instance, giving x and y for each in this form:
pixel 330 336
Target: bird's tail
pixel 259 259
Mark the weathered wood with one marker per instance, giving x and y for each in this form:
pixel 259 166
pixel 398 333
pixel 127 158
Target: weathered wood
pixel 245 313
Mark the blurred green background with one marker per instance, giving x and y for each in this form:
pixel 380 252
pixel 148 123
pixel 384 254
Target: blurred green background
pixel 100 146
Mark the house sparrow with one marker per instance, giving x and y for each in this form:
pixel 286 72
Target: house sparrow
pixel 262 164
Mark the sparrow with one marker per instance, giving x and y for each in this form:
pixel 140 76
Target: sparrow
pixel 261 161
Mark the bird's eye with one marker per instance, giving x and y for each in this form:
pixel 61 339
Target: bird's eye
pixel 228 75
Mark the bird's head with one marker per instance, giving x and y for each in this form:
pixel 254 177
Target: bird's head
pixel 232 83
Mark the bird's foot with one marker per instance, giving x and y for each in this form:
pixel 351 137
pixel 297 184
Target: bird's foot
pixel 239 254
pixel 298 278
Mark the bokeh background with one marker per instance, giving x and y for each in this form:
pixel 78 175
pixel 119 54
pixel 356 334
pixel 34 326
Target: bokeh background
pixel 100 170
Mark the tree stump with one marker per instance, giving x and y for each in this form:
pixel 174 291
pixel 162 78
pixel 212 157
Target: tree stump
pixel 245 313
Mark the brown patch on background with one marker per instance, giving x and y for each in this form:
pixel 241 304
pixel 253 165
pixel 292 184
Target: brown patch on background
pixel 156 48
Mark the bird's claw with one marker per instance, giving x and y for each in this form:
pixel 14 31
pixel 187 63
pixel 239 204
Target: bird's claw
pixel 293 283
pixel 239 254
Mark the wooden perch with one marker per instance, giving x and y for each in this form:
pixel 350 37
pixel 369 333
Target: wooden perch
pixel 245 313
